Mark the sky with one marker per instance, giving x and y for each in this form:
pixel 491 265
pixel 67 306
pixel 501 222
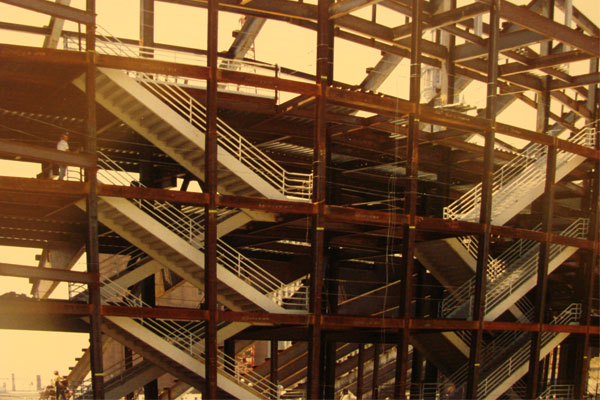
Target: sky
pixel 27 354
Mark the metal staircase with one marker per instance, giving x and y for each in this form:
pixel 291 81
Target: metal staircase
pixel 519 275
pixel 174 239
pixel 160 110
pixel 499 377
pixel 520 181
pixel 177 347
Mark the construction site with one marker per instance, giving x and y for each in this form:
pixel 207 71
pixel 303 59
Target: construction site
pixel 306 199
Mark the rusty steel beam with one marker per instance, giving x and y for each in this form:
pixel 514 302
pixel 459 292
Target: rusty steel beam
pixel 485 214
pixel 39 153
pixel 50 274
pixel 323 77
pixel 210 210
pixel 56 10
pixel 343 7
pixel 547 27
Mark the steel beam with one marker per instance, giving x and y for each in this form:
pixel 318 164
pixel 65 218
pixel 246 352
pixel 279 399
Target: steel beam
pixel 56 27
pixel 485 214
pixel 319 197
pixel 50 274
pixel 210 211
pixel 38 153
pixel 410 203
pixel 343 7
pixel 547 27
pixel 56 10
pixel 92 253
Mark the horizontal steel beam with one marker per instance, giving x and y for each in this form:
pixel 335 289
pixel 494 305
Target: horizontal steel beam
pixel 39 153
pixel 55 9
pixel 49 274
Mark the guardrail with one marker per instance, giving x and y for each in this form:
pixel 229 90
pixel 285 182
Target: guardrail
pixel 191 230
pixel 521 264
pixel 293 185
pixel 189 339
pixel 528 167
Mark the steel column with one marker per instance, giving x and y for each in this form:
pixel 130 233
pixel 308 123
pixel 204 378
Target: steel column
pixel 375 373
pixel 360 389
pixel 319 197
pixel 410 205
pixel 274 373
pixel 548 209
pixel 486 203
pixel 93 263
pixel 590 262
pixel 210 211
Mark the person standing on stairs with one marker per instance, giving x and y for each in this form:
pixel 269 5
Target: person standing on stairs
pixel 63 145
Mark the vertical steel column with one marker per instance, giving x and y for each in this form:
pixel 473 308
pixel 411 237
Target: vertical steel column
pixel 210 211
pixel 319 193
pixel 591 259
pixel 544 252
pixel 274 362
pixel 93 263
pixel 147 25
pixel 485 215
pixel 375 373
pixel 360 381
pixel 410 206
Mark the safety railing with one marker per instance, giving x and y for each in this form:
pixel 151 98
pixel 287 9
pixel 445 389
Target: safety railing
pixel 110 266
pixel 527 168
pixel 113 374
pixel 293 185
pixel 520 262
pixel 189 339
pixel 569 316
pixel 558 392
pixel 190 229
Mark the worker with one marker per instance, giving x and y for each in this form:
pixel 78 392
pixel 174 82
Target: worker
pixel 60 387
pixel 63 145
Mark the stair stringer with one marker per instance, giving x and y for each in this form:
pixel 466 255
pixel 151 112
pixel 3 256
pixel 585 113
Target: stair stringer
pixel 523 369
pixel 172 354
pixel 177 124
pixel 523 289
pixel 193 258
pixel 145 375
pixel 524 198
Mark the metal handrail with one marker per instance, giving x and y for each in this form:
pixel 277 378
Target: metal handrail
pixel 557 392
pixel 191 342
pixel 191 230
pixel 459 378
pixel 293 185
pixel 525 169
pixel 520 267
pixel 569 316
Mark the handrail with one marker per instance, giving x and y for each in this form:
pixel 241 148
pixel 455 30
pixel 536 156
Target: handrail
pixel 569 316
pixel 526 168
pixel 191 230
pixel 191 342
pixel 521 266
pixel 293 185
pixel 557 392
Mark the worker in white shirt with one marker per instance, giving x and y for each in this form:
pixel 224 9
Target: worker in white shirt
pixel 63 145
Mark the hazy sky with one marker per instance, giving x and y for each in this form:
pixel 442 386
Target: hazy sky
pixel 30 353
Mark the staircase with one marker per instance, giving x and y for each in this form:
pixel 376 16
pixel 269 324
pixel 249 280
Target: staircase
pixel 514 186
pixel 168 117
pixel 175 239
pixel 520 181
pixel 519 276
pixel 498 378
pixel 177 348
